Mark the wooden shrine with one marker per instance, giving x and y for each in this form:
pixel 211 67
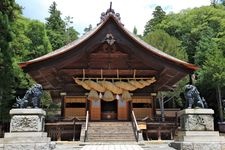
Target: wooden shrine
pixel 111 53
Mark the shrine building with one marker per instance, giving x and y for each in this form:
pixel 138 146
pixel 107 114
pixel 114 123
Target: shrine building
pixel 109 73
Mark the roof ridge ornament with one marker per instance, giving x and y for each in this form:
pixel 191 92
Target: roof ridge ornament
pixel 109 11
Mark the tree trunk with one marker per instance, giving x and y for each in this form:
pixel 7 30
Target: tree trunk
pixel 220 106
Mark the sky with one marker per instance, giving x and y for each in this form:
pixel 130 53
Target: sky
pixel 134 13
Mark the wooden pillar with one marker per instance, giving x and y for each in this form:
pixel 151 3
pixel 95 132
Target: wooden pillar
pixel 62 94
pixel 154 103
pixel 95 110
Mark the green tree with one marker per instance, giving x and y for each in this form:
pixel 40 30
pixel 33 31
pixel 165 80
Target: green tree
pixel 40 43
pixel 8 9
pixel 205 44
pixel 158 16
pixel 190 26
pixel 135 30
pixel 168 44
pixel 55 27
pixel 30 42
pixel 216 2
pixel 71 33
pixel 87 29
pixel 172 46
pixel 213 73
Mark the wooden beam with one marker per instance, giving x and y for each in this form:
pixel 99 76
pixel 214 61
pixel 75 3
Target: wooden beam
pixel 167 75
pixel 110 72
pixel 163 80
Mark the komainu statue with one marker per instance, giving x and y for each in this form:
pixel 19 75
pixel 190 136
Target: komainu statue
pixel 31 98
pixel 193 99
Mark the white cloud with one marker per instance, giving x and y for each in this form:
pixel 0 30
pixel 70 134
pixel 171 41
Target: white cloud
pixel 133 12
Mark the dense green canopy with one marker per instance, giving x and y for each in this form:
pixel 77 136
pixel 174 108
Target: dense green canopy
pixel 23 39
pixel 201 34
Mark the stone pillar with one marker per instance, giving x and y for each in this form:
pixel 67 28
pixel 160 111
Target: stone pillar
pixel 197 131
pixel 27 131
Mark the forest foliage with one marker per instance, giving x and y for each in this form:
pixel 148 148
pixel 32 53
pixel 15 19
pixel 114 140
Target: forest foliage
pixel 23 39
pixel 200 34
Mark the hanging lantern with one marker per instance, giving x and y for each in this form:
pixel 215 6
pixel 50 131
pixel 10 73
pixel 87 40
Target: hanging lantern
pixel 108 96
pixel 126 96
pixel 93 95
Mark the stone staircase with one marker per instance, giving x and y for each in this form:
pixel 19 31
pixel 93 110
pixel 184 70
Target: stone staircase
pixel 110 132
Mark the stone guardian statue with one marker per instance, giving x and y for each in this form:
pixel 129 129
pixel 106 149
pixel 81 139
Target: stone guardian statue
pixel 193 99
pixel 32 98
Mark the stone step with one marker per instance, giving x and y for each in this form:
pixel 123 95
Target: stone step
pixel 112 136
pixel 107 130
pixel 97 132
pixel 68 146
pixel 111 127
pixel 104 124
pixel 112 147
pixel 109 140
pixel 90 139
pixel 110 131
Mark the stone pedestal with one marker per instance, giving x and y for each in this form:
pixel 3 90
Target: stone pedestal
pixel 197 131
pixel 27 131
pixel 27 120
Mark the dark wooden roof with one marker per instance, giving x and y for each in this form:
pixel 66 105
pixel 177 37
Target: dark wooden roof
pixel 108 49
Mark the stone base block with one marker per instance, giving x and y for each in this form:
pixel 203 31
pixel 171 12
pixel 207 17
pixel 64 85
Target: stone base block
pixel 1 144
pixel 27 120
pixel 197 131
pixel 26 131
pixel 196 119
pixel 199 136
pixel 198 145
pixel 25 134
pixel 27 141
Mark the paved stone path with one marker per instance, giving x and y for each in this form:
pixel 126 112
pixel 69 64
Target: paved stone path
pixel 112 147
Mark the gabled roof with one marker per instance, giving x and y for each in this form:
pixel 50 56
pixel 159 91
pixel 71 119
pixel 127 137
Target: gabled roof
pixel 56 69
pixel 86 36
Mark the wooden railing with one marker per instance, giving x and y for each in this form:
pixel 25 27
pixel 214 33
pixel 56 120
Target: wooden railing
pixel 64 126
pixel 86 126
pixel 157 129
pixel 135 126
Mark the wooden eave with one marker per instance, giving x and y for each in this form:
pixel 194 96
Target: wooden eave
pixel 45 68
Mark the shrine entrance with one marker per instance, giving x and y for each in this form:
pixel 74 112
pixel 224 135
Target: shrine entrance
pixel 109 110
